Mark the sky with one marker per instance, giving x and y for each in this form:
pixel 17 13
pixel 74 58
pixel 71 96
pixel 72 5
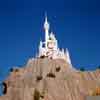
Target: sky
pixel 76 24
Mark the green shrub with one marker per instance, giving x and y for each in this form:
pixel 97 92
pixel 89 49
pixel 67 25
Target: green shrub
pixel 36 95
pixel 82 69
pixel 98 67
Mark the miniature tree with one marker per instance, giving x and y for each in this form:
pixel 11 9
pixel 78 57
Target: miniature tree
pixel 82 69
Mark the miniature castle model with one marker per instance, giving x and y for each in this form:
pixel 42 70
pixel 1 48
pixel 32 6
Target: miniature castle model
pixel 49 48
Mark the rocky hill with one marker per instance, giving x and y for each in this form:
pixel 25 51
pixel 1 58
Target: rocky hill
pixel 47 79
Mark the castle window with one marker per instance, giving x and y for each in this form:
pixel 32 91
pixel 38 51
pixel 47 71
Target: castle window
pixel 43 45
pixel 50 38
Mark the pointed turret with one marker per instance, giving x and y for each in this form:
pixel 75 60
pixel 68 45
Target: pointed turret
pixel 46 28
pixel 68 56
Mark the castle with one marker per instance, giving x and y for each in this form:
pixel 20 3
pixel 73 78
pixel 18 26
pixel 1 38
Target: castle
pixel 49 48
pixel 46 79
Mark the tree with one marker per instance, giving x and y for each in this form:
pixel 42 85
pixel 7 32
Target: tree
pixel 82 69
pixel 36 95
pixel 98 67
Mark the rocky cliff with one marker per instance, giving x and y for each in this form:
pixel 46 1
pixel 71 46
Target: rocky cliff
pixel 47 79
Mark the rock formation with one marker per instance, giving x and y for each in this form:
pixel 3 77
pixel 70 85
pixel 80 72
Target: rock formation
pixel 47 79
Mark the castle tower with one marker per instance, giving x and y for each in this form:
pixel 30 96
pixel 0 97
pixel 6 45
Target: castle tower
pixel 46 28
pixel 49 48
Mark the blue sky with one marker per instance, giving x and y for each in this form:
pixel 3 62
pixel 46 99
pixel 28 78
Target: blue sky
pixel 76 24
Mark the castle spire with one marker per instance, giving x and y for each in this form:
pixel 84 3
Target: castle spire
pixel 49 47
pixel 46 28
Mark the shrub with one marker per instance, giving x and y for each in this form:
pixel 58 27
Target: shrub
pixel 96 92
pixel 58 69
pixel 4 88
pixel 36 95
pixel 51 75
pixel 38 78
pixel 98 67
pixel 82 69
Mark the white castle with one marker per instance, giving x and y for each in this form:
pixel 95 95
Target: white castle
pixel 49 48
